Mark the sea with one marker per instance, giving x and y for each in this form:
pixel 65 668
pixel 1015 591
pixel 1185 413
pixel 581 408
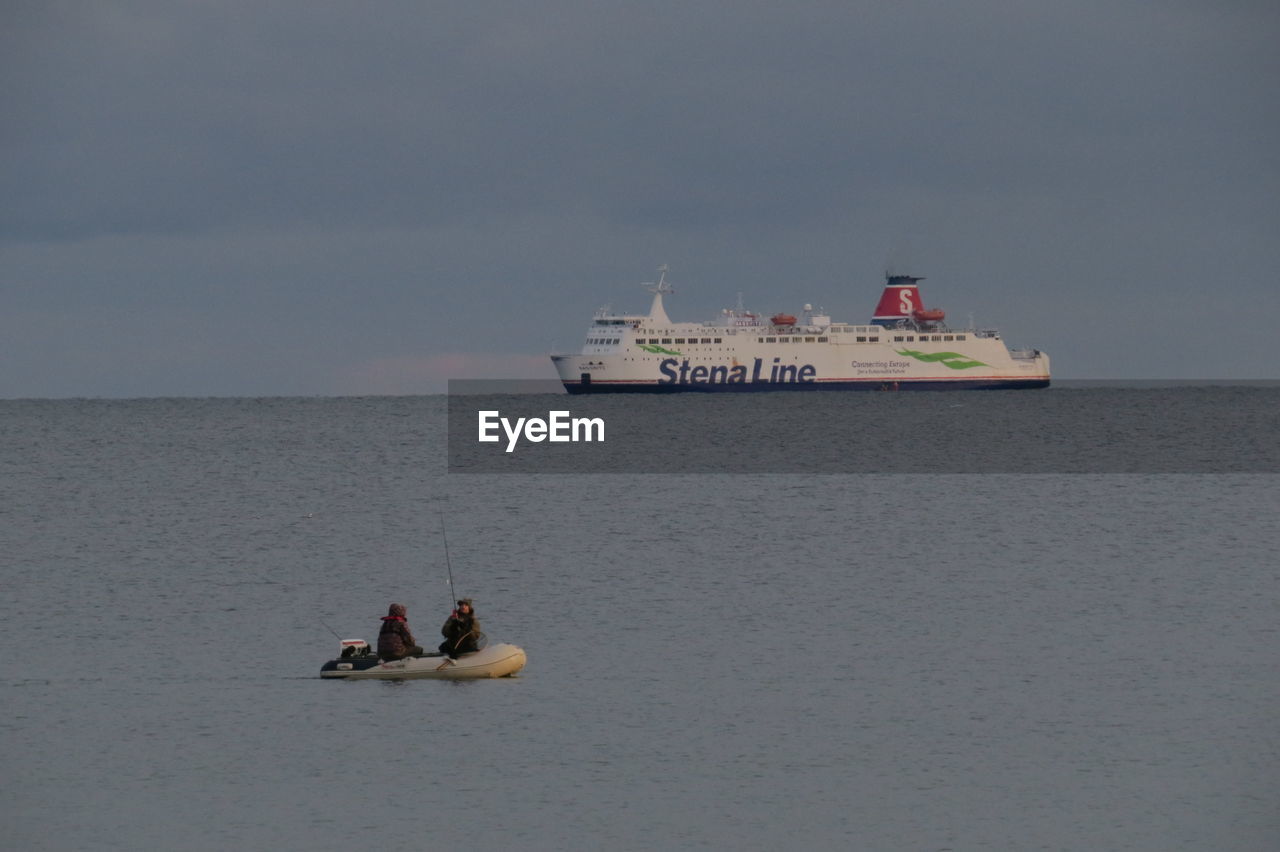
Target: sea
pixel 977 656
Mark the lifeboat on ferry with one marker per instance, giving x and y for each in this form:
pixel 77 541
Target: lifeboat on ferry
pixel 782 319
pixel 934 315
pixel 357 661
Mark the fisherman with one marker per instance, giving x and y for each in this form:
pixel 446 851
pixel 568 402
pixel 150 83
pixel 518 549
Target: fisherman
pixel 395 641
pixel 461 632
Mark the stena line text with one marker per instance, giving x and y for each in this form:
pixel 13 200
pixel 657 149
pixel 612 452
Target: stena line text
pixel 680 373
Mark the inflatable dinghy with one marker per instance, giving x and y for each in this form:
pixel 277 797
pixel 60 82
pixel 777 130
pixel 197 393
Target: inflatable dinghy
pixel 358 660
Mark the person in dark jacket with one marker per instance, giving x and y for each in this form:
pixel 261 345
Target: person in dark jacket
pixel 461 631
pixel 395 641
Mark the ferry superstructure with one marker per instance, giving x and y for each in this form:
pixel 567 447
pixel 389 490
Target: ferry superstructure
pixel 903 347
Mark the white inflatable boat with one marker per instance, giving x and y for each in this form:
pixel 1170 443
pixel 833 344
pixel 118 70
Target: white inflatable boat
pixel 358 660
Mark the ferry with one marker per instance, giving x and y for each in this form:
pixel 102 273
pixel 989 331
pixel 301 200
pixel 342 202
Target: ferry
pixel 904 346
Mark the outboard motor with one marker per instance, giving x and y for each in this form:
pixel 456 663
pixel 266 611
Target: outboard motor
pixel 354 648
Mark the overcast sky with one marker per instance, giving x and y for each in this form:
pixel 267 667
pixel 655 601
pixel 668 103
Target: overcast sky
pixel 246 198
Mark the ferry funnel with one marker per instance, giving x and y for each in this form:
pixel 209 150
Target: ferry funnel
pixel 899 301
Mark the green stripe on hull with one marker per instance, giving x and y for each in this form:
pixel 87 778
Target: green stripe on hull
pixel 954 360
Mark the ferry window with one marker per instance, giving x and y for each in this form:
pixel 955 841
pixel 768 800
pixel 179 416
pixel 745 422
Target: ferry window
pixel 771 340
pixel 874 339
pixel 897 338
pixel 947 337
pixel 808 340
pixel 822 340
pixel 679 340
pixel 706 340
pixel 911 338
pixel 937 337
pixel 666 340
pixel 959 337
pixel 862 339
pixel 717 340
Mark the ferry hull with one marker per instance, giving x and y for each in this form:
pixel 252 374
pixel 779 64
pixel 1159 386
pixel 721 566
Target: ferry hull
pixel 605 386
pixel 983 364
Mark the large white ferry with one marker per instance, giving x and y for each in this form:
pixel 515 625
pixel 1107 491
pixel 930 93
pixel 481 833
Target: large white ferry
pixel 903 347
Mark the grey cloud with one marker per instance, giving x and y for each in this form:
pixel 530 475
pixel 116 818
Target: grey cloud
pixel 525 160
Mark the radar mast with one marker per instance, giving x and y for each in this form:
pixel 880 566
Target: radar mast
pixel 657 313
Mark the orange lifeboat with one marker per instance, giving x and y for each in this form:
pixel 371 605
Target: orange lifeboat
pixel 782 319
pixel 934 315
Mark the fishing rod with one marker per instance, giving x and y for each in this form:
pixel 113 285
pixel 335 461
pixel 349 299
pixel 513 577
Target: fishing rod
pixel 453 595
pixel 330 629
pixel 481 639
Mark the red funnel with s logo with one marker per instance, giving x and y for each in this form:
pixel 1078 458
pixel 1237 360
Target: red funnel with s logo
pixel 899 301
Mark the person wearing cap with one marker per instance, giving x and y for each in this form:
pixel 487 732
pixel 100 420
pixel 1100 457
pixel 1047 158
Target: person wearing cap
pixel 461 631
pixel 395 640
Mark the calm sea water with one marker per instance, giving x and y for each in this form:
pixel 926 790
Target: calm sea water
pixel 889 661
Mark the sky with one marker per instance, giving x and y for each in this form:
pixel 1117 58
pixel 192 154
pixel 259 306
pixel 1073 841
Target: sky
pixel 345 198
